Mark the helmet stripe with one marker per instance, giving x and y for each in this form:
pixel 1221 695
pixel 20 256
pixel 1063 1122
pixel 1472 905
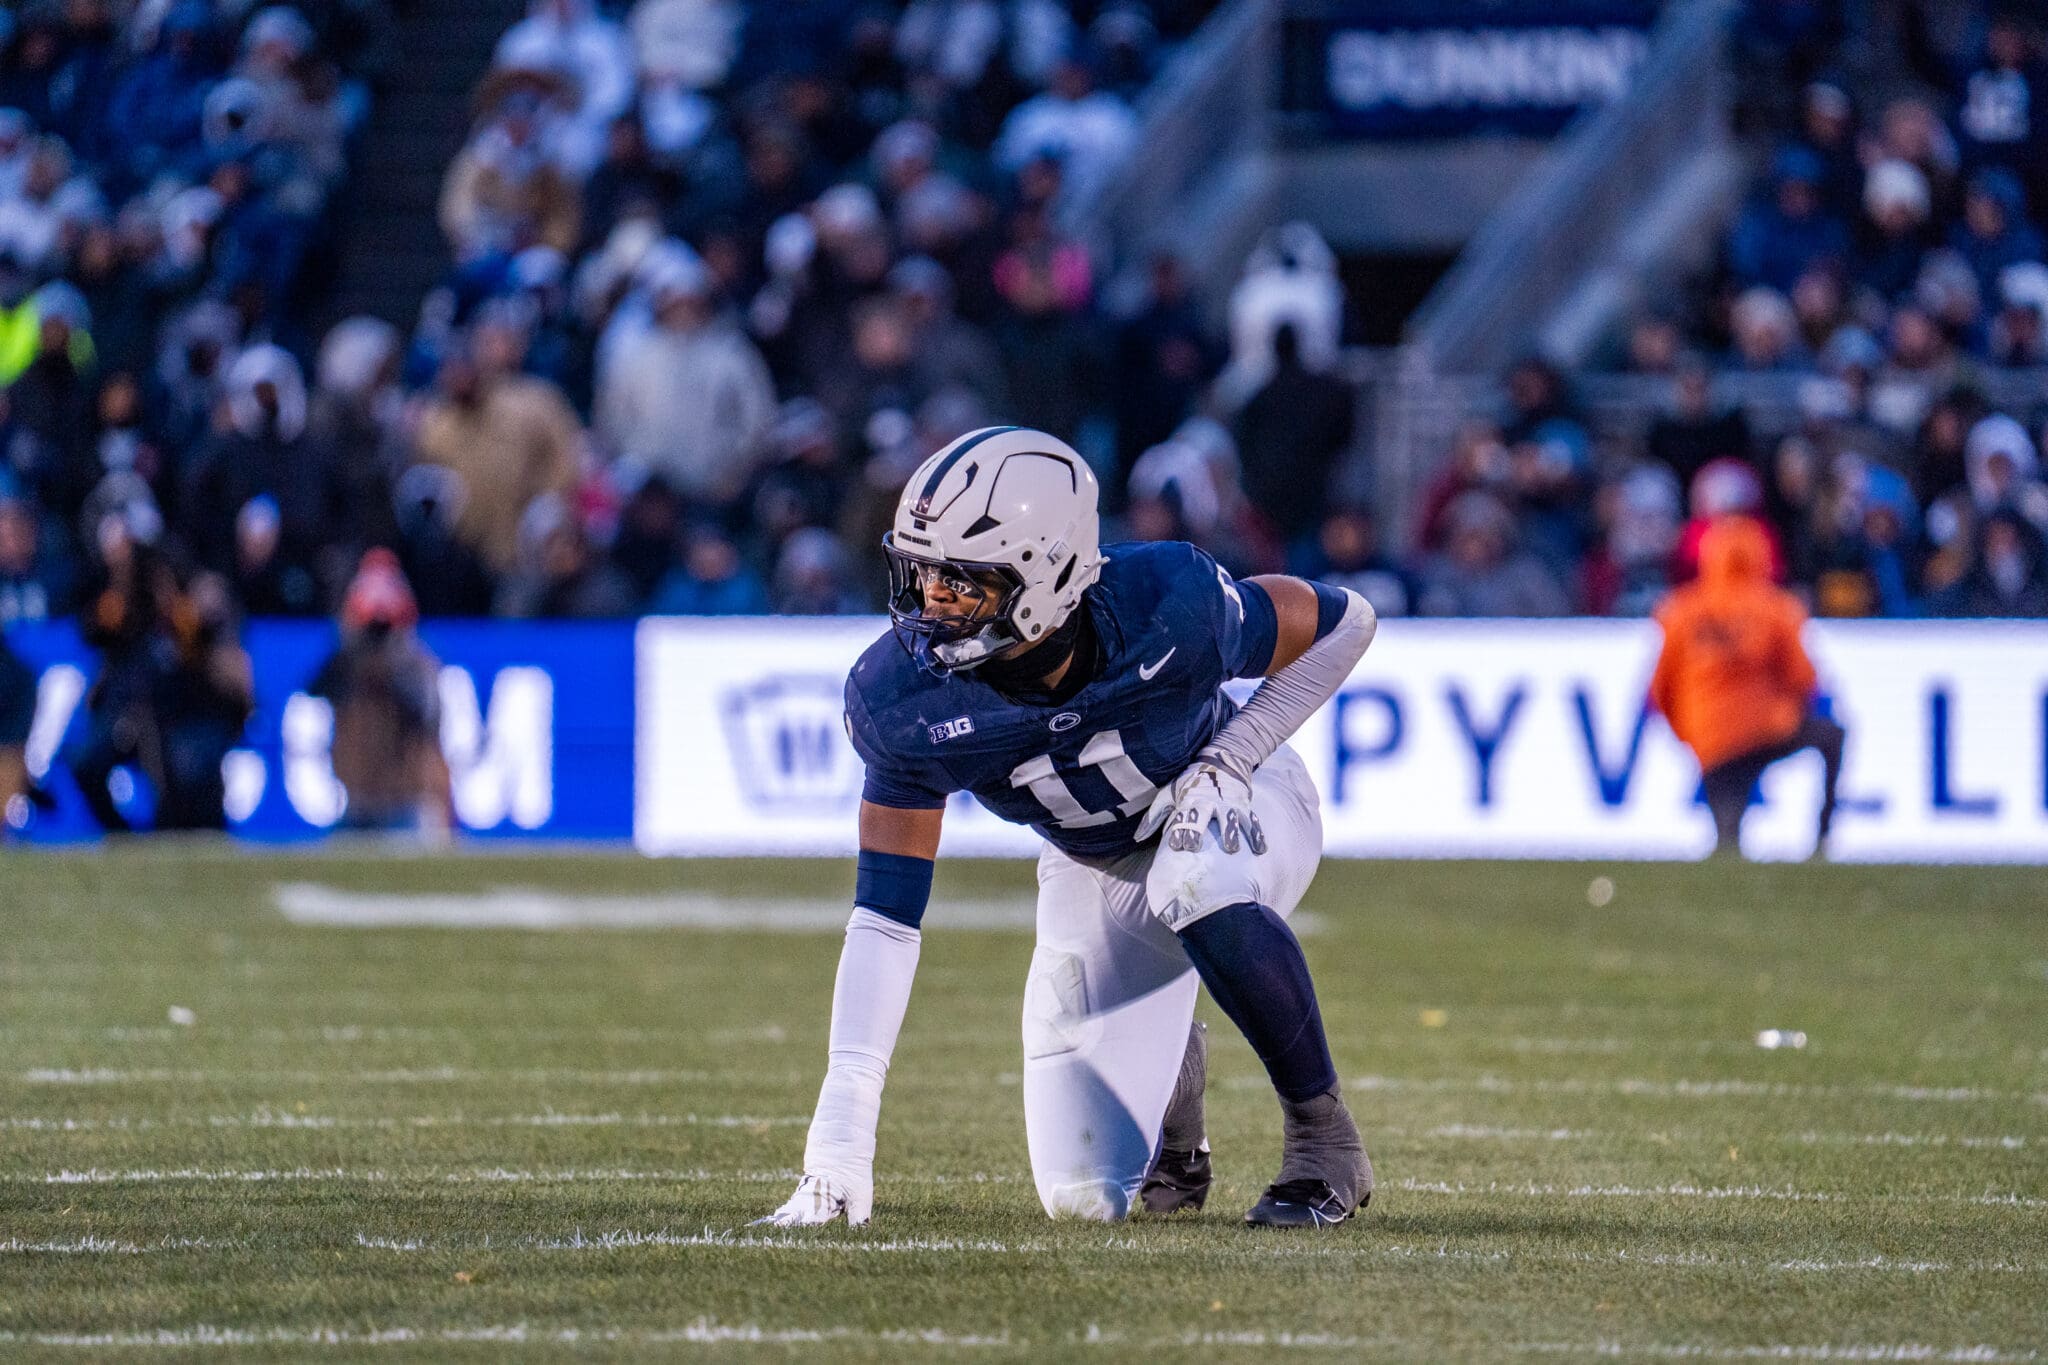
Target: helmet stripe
pixel 931 485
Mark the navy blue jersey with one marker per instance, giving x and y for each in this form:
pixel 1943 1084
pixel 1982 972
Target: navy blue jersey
pixel 1173 628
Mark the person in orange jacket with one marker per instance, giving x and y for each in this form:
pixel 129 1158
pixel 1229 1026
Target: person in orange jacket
pixel 1735 681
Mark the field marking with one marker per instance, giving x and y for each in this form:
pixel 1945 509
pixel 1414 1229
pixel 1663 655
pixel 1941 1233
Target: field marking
pixel 503 1175
pixel 1913 1351
pixel 530 908
pixel 625 1239
pixel 326 1122
pixel 1640 1087
pixel 1784 1193
pixel 703 1332
pixel 709 1332
pixel 492 1175
pixel 106 1246
pixel 439 1075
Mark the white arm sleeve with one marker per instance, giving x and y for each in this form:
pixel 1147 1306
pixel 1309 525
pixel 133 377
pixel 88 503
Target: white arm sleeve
pixel 1286 699
pixel 869 999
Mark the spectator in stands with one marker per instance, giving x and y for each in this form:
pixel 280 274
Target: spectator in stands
pixel 1734 680
pixel 1481 572
pixel 153 115
pixel 689 397
pixel 649 532
pixel 592 56
pixel 1189 487
pixel 711 580
pixel 2007 575
pixel 36 576
pixel 502 193
pixel 2002 467
pixel 50 405
pixel 1766 332
pixel 2018 335
pixel 1165 358
pixel 1090 130
pixel 427 505
pixel 1776 241
pixel 1630 567
pixel 1896 206
pixel 1694 433
pixel 263 452
pixel 510 438
pixel 268 581
pixel 1994 234
pixel 1827 128
pixel 1046 283
pixel 1290 277
pixel 813 577
pixel 384 687
pixel 1923 365
pixel 560 575
pixel 1347 553
pixel 2000 118
pixel 355 417
pixel 1290 436
pixel 947 350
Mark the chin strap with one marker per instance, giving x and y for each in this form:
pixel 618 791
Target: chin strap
pixel 1023 675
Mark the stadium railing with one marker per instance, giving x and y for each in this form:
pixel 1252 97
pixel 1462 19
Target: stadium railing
pixel 1563 258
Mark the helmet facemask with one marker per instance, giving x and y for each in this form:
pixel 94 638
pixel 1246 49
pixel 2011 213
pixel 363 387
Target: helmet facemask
pixel 975 623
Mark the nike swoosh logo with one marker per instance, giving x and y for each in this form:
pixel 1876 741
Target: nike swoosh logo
pixel 1146 671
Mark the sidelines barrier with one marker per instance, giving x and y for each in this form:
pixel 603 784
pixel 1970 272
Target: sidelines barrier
pixel 1467 738
pixel 1454 738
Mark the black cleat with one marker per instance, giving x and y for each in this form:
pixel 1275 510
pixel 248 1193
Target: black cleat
pixel 1301 1204
pixel 1177 1181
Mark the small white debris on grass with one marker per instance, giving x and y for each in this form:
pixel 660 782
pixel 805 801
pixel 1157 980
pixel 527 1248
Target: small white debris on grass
pixel 181 1016
pixel 1772 1039
pixel 1600 892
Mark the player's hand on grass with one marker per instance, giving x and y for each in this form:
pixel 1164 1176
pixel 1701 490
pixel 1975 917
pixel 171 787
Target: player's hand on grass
pixel 1210 798
pixel 819 1199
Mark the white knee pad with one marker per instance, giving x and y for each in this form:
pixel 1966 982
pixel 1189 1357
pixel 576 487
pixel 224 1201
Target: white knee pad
pixel 1055 1004
pixel 1185 887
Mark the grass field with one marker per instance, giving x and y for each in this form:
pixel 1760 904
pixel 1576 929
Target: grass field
pixel 223 1128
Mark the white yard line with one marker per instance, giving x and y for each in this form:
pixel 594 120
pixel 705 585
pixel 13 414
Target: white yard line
pixel 444 1075
pixel 1662 1089
pixel 1913 1351
pixel 707 1331
pixel 529 908
pixel 1786 1193
pixel 703 1332
pixel 106 1246
pixel 1124 1244
pixel 496 1175
pixel 326 1122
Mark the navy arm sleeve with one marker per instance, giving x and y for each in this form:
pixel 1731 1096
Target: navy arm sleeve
pixel 891 780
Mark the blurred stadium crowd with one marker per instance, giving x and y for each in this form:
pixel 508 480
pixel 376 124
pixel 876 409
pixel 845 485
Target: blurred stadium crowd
pixel 1889 264
pixel 718 284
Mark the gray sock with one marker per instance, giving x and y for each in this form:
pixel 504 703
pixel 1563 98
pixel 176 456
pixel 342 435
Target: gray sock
pixel 1322 1143
pixel 1185 1128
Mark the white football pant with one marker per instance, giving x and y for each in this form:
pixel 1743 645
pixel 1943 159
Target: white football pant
pixel 1111 994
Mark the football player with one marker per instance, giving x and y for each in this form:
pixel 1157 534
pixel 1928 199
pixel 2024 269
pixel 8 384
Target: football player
pixel 1079 691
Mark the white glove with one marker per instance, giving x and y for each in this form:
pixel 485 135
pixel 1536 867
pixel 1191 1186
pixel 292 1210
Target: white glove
pixel 1209 797
pixel 821 1198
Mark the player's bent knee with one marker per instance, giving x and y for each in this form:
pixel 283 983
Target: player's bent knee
pixel 1055 1004
pixel 1182 888
pixel 1094 1201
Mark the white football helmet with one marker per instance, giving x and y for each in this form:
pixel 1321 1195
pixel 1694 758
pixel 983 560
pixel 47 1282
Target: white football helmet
pixel 1004 521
